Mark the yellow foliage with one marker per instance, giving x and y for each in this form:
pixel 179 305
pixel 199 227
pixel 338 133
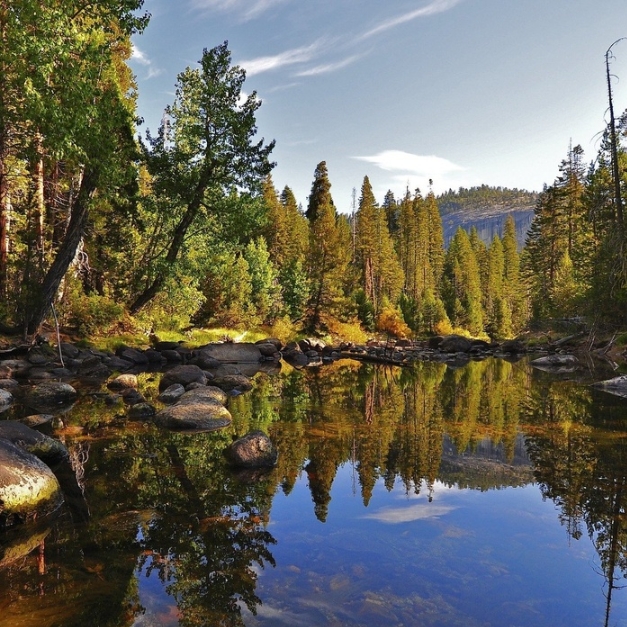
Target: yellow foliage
pixel 391 322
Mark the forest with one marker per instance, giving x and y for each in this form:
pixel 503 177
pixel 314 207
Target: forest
pixel 104 230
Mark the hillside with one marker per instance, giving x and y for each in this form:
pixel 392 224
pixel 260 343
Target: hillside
pixel 486 208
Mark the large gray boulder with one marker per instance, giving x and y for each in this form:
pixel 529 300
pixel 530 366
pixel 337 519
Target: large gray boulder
pixel 254 450
pixel 616 386
pixel 199 416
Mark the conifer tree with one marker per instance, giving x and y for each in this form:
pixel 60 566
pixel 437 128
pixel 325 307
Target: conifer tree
pixel 327 260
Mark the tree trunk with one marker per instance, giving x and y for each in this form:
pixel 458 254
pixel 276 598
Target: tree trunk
pixel 5 225
pixel 65 254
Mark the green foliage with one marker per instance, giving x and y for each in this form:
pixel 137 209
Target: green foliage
pixel 365 310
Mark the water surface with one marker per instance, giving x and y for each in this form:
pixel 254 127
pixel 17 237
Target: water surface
pixel 487 495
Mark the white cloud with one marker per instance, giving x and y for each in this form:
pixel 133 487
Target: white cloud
pixel 408 163
pixel 437 6
pixel 289 57
pixel 329 67
pixel 248 9
pixel 140 57
pixel 420 511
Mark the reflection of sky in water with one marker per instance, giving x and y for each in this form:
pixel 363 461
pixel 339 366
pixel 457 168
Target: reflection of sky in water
pixel 468 558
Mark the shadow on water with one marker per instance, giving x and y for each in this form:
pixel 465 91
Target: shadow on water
pixel 175 538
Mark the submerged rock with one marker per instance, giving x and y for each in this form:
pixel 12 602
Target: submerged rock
pixel 254 450
pixel 556 363
pixel 233 383
pixel 208 393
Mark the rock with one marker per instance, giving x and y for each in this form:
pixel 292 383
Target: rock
pixel 455 344
pixel 616 386
pixel 254 450
pixel 512 346
pixel 232 351
pixel 14 368
pixel 69 350
pixel 39 357
pixel 50 394
pixel 434 342
pixel 171 394
pixel 133 355
pixel 166 346
pixel 271 340
pixel 117 363
pixel 140 411
pixel 37 420
pixel 172 356
pixel 311 343
pixel 207 393
pixel 183 375
pixel 267 349
pixel 233 383
pixel 131 396
pixel 553 362
pixel 123 382
pixel 9 384
pixel 28 488
pixel 47 449
pixel 200 416
pixel 294 356
pixel 204 360
pixel 6 398
pixel 154 356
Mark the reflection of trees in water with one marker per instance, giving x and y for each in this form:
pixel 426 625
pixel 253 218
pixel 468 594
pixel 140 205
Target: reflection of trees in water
pixel 390 422
pixel 580 463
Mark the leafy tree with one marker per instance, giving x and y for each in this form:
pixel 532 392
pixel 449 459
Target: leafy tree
pixel 203 150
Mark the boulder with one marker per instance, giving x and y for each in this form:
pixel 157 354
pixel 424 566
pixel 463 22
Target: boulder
pixel 294 356
pixel 237 383
pixel 6 398
pixel 131 396
pixel 28 488
pixel 139 411
pixel 254 450
pixel 14 368
pixel 50 394
pixel 512 346
pixel 199 416
pixel 37 420
pixel 172 356
pixel 204 360
pixel 133 355
pixel 184 375
pixel 207 393
pixel 271 340
pixel 555 363
pixel 47 449
pixel 171 394
pixel 268 350
pixel 123 382
pixel 232 351
pixel 616 386
pixel 455 344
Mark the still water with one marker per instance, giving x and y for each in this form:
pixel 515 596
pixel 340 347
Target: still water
pixel 488 495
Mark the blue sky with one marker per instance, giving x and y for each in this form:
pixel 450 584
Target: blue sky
pixel 463 92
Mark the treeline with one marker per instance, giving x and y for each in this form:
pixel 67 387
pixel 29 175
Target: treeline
pixel 484 197
pixel 184 226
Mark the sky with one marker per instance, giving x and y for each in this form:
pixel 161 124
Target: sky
pixel 462 92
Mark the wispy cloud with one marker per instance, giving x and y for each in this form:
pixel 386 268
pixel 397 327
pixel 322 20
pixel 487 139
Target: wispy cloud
pixel 437 6
pixel 140 57
pixel 248 9
pixel 406 162
pixel 329 67
pixel 420 511
pixel 289 57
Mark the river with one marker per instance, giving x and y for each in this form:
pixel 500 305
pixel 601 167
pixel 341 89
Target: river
pixel 488 495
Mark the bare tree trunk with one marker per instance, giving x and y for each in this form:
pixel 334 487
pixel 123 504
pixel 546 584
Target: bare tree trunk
pixel 5 225
pixel 65 254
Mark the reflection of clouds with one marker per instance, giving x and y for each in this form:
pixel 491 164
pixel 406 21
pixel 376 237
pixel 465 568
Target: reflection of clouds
pixel 420 511
pixel 282 616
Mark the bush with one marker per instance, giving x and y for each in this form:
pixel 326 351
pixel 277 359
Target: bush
pixel 390 321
